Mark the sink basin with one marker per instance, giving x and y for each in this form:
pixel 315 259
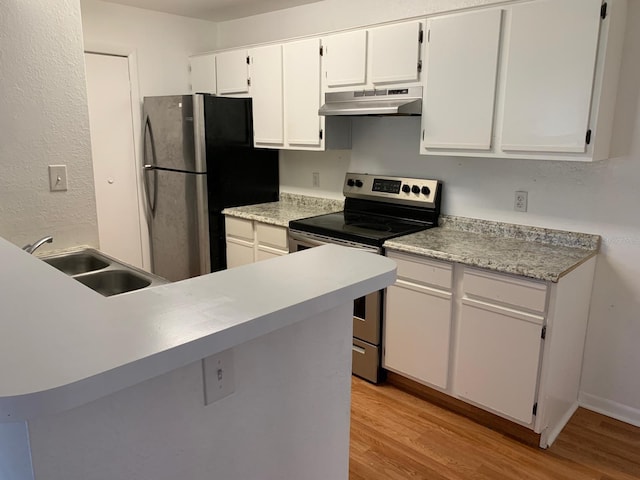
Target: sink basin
pixel 113 282
pixel 76 263
pixel 102 273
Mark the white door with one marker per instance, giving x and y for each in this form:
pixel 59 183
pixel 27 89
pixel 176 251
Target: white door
pixel 458 113
pixel 395 52
pixel 203 73
pixel 417 332
pixel 232 72
pixel 302 93
pixel 266 91
pixel 497 358
pixel 345 59
pixel 113 152
pixel 550 66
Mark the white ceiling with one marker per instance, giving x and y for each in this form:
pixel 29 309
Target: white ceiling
pixel 214 10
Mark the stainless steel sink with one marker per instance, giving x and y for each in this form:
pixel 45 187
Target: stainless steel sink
pixel 113 282
pixel 102 273
pixel 76 263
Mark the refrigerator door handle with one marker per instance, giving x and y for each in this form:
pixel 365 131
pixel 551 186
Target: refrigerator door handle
pixel 202 194
pixel 149 168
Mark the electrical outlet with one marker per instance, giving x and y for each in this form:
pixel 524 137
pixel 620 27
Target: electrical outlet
pixel 218 376
pixel 316 179
pixel 520 202
pixel 58 178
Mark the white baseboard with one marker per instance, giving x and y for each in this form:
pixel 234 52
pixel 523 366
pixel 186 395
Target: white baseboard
pixel 612 409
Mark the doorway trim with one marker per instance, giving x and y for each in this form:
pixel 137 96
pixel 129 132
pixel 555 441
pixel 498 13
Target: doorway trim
pixel 136 108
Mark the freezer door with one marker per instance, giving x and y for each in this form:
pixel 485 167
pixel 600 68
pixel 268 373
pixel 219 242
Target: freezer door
pixel 241 176
pixel 176 243
pixel 229 121
pixel 169 133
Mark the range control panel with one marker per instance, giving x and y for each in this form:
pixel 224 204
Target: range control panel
pixel 402 190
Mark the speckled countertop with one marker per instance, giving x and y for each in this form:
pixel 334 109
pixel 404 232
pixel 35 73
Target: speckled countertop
pixel 534 252
pixel 290 207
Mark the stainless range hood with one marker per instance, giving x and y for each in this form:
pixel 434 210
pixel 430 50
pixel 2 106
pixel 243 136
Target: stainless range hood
pixel 393 101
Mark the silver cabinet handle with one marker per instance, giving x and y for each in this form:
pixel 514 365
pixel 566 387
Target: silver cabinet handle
pixel 357 349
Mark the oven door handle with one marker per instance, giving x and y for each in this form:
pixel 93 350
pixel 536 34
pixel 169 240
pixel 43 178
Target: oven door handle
pixel 305 241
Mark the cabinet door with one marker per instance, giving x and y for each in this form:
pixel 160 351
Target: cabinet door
pixel 345 58
pixel 239 253
pixel 266 91
pixel 203 74
pixel 417 332
pixel 550 66
pixel 266 253
pixel 302 93
pixel 395 53
pixel 498 353
pixel 460 87
pixel 232 72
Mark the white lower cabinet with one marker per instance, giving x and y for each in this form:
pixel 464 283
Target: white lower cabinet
pixel 250 241
pixel 507 344
pixel 417 325
pixel 500 330
pixel 498 355
pixel 239 253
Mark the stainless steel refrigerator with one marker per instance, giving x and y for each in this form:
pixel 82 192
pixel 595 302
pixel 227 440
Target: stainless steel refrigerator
pixel 199 159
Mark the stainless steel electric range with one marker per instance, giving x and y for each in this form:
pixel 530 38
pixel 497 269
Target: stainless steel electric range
pixel 377 208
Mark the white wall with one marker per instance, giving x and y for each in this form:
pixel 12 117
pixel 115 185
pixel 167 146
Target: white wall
pixel 601 198
pixel 329 15
pixel 44 121
pixel 162 42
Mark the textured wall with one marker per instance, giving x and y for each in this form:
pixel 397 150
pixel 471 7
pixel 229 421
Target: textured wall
pixel 161 41
pixel 44 121
pixel 599 198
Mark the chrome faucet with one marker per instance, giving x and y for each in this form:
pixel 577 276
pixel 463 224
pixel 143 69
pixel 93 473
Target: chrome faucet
pixel 32 247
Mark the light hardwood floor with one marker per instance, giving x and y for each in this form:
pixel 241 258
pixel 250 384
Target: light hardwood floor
pixel 396 436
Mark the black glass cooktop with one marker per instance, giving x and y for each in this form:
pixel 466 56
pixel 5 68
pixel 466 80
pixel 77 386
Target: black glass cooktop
pixel 359 227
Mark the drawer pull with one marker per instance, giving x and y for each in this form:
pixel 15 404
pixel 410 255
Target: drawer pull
pixel 357 349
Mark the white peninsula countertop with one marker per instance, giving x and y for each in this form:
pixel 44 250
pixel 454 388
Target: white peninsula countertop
pixel 63 345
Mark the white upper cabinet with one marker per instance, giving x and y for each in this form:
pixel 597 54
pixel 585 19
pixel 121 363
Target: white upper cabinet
pixel 203 73
pixel 266 91
pixel 395 53
pixel 345 59
pixel 232 71
pixel 550 67
pixel 460 83
pixel 301 67
pixel 557 79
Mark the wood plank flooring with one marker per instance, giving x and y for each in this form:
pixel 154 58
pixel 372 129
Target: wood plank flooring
pixel 396 436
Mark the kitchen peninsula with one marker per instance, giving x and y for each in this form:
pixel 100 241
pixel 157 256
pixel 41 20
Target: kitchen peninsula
pixel 124 387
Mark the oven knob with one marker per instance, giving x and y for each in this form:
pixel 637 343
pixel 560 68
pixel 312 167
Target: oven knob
pixel 350 182
pixel 359 183
pixel 415 189
pixel 406 188
pixel 426 190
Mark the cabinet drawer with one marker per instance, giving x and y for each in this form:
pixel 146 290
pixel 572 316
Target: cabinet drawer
pixel 239 228
pixel 422 270
pixel 365 360
pixel 272 235
pixel 505 289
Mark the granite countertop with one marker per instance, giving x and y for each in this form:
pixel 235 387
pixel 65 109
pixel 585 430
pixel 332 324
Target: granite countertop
pixel 534 252
pixel 290 207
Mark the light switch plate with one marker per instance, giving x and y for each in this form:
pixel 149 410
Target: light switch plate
pixel 58 178
pixel 218 376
